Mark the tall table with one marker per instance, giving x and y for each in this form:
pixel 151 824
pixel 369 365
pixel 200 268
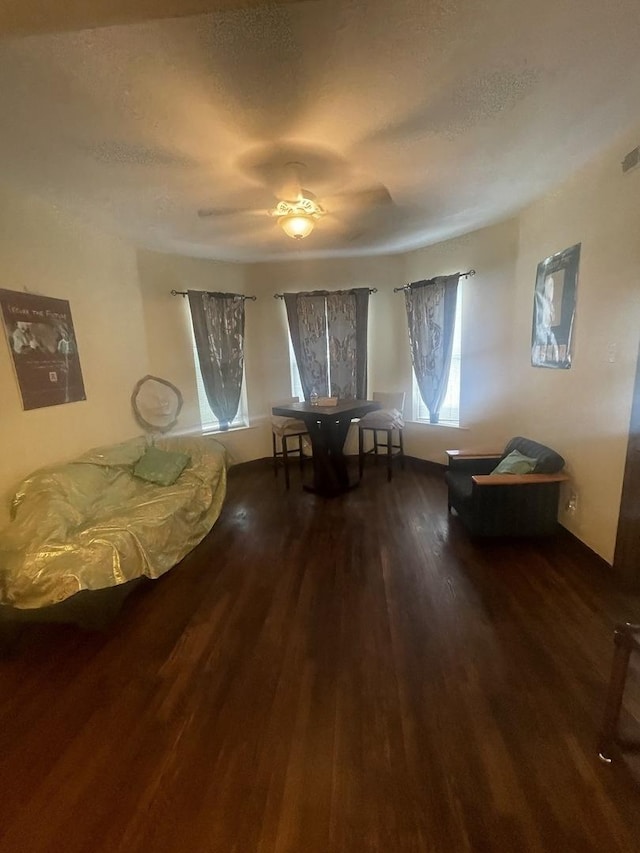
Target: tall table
pixel 328 427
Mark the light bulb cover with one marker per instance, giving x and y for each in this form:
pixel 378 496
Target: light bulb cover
pixel 296 225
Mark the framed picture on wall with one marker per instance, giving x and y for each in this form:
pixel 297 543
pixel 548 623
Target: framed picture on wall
pixel 554 308
pixel 42 344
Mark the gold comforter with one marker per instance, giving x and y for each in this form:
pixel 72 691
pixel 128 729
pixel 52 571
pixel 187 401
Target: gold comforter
pixel 91 524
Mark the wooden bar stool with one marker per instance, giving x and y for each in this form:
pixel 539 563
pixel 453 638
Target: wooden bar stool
pixel 387 420
pixel 282 430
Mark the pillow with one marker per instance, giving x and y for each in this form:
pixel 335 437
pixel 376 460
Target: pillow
pixel 127 453
pixel 161 466
pixel 515 463
pixel 383 419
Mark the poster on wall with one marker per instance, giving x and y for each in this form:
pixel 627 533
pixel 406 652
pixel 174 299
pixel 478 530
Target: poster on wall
pixel 42 343
pixel 554 308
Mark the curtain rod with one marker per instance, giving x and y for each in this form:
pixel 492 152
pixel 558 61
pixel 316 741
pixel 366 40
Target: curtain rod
pixel 323 292
pixel 239 295
pixel 467 274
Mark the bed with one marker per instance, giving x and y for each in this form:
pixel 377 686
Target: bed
pixel 92 524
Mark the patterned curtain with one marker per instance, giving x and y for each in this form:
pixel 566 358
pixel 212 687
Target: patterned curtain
pixel 431 312
pixel 306 314
pixel 347 316
pixel 218 328
pixel 329 337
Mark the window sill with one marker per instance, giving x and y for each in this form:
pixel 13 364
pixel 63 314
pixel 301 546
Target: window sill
pixel 218 432
pixel 443 425
pixel 212 431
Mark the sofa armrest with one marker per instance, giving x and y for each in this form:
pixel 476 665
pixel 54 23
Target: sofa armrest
pixel 517 479
pixel 473 454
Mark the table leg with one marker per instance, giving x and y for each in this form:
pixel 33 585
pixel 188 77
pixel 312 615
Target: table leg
pixel 330 474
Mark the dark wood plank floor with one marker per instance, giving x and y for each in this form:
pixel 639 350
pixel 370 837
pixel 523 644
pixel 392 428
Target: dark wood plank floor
pixel 327 677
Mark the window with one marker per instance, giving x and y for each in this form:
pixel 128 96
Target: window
pixel 450 410
pixel 333 352
pixel 208 420
pixel 296 383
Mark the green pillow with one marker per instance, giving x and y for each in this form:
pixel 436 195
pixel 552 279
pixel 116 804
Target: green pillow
pixel 161 466
pixel 515 463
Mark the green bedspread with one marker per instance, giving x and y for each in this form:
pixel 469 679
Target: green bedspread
pixel 91 524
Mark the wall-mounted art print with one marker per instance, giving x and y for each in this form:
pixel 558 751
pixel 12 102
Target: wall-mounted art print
pixel 43 346
pixel 554 308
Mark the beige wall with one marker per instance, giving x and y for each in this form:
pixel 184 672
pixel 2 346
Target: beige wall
pixel 584 412
pixel 44 251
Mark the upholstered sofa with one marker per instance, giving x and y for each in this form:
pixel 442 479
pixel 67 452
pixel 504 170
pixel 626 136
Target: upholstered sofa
pixel 506 504
pixel 93 523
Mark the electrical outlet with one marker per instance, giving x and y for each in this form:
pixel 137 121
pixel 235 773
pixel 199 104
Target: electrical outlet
pixel 572 502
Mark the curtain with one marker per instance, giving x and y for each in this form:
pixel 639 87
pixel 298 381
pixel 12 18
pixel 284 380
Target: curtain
pixel 431 312
pixel 218 329
pixel 308 328
pixel 347 318
pixel 329 337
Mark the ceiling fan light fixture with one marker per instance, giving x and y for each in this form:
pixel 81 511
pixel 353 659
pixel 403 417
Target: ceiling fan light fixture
pixel 297 225
pixel 298 218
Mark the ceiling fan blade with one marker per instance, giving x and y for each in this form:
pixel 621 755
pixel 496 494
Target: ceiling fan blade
pixel 370 197
pixel 209 212
pixel 242 202
pixel 368 222
pixel 342 228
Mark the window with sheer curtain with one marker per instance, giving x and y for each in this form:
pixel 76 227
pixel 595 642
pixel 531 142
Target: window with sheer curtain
pixel 450 410
pixel 328 335
pixel 208 421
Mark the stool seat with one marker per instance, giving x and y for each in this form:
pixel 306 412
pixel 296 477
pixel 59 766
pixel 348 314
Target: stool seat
pixel 287 426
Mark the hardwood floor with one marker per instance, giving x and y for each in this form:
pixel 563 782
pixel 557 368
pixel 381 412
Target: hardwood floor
pixel 327 677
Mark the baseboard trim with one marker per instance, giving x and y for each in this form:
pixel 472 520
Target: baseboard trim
pixel 584 551
pixel 424 465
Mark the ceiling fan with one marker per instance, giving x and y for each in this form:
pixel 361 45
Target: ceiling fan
pixel 297 217
pixel 297 209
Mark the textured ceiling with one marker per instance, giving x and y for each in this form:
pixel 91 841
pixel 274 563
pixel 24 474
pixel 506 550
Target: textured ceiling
pixel 464 111
pixel 25 17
